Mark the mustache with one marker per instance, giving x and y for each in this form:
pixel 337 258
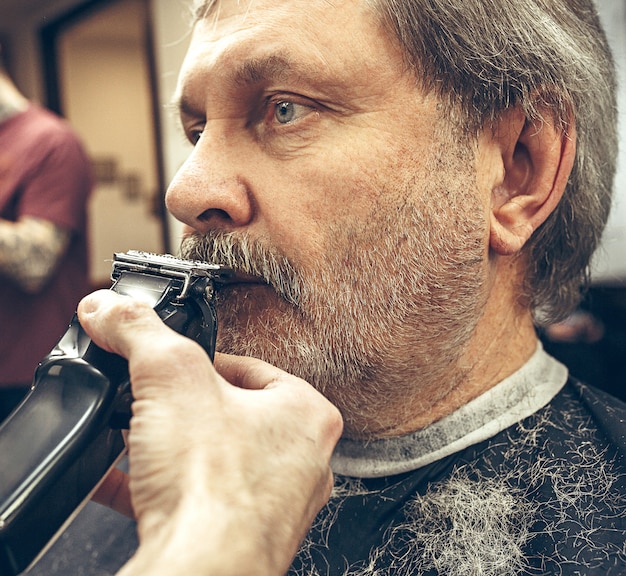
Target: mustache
pixel 250 257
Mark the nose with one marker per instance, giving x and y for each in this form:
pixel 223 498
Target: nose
pixel 210 190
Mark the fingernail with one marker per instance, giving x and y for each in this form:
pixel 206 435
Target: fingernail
pixel 93 302
pixel 89 304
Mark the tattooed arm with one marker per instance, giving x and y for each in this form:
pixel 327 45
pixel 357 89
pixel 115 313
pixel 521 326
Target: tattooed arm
pixel 30 250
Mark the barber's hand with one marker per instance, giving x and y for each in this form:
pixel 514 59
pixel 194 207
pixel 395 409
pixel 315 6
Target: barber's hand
pixel 228 464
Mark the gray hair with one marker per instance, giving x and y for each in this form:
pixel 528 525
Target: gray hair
pixel 547 57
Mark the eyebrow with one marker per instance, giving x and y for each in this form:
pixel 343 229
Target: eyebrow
pixel 251 72
pixel 179 106
pixel 258 70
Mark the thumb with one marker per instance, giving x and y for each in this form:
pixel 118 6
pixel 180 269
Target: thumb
pixel 155 352
pixel 117 323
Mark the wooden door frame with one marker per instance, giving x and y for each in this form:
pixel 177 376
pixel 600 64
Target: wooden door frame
pixel 49 46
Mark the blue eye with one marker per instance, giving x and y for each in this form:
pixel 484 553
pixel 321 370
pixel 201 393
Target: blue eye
pixel 285 112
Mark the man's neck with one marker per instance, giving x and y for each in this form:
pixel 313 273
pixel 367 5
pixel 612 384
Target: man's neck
pixel 502 342
pixel 485 363
pixel 518 396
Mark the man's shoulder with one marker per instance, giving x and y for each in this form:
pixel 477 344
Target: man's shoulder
pixel 45 142
pixel 582 428
pixel 606 413
pixel 546 495
pixel 567 463
pixel 46 123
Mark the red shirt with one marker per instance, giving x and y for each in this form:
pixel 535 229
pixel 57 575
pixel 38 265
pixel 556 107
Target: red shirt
pixel 44 173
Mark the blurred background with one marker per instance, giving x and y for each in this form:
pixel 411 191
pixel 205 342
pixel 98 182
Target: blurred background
pixel 110 66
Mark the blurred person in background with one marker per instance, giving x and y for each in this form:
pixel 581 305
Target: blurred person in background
pixel 45 183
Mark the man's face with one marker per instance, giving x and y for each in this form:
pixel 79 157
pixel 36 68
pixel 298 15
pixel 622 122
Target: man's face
pixel 320 169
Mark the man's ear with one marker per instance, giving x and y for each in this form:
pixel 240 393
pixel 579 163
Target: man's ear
pixel 537 159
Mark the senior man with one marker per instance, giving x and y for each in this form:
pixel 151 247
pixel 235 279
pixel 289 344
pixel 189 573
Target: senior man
pixel 410 188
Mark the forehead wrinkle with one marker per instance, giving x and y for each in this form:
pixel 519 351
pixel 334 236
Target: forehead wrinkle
pixel 263 36
pixel 254 52
pixel 211 10
pixel 243 62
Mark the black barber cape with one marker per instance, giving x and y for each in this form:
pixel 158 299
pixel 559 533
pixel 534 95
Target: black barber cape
pixel 545 496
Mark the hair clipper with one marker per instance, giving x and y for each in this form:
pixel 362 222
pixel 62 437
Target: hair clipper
pixel 64 437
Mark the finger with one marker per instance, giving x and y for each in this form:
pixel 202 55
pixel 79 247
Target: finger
pixel 158 356
pixel 250 373
pixel 303 400
pixel 114 493
pixel 116 323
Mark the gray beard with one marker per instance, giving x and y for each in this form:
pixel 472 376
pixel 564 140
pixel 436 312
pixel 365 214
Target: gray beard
pixel 474 524
pixel 379 322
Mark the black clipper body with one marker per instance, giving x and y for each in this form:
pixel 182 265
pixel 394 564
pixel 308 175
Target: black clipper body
pixel 66 435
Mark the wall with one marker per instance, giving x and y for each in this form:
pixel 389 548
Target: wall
pixel 107 98
pixel 171 21
pixel 20 27
pixel 610 261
